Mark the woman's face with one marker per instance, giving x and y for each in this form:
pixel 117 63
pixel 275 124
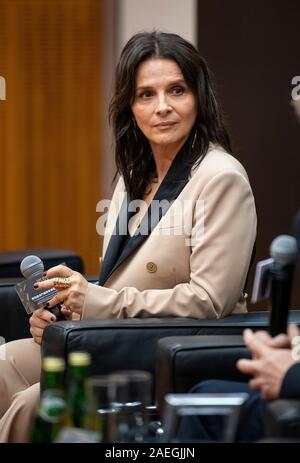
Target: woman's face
pixel 164 106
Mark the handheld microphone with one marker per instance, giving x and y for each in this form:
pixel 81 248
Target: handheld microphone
pixel 32 268
pixel 297 230
pixel 283 249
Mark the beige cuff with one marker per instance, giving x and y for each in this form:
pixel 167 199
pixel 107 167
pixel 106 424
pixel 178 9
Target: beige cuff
pixel 98 303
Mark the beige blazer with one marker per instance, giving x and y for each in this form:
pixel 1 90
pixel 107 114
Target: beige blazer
pixel 197 272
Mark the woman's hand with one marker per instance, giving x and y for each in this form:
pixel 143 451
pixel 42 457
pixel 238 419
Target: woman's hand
pixel 72 297
pixel 41 318
pixel 38 322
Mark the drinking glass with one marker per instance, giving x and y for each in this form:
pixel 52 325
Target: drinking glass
pixel 129 404
pixel 103 392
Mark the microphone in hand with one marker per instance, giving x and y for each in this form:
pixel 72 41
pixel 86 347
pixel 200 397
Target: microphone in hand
pixel 283 250
pixel 32 268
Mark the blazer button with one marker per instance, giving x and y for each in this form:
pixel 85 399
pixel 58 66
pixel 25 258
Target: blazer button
pixel 151 267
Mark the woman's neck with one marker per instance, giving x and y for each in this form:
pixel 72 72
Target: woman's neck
pixel 162 167
pixel 164 156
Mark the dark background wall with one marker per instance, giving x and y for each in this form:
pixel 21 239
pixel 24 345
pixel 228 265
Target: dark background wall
pixel 253 49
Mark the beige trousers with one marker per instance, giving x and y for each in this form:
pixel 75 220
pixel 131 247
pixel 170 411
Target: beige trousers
pixel 20 369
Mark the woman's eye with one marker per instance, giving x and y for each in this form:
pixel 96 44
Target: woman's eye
pixel 177 90
pixel 146 94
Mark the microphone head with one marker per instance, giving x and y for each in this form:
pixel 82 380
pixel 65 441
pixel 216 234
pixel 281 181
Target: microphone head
pixel 32 266
pixel 284 250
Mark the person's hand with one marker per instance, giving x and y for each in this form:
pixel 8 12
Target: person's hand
pixel 40 318
pixel 280 341
pixel 38 322
pixel 72 297
pixel 269 364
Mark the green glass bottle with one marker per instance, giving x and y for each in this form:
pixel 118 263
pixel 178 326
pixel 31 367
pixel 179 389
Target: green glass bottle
pixel 52 406
pixel 80 412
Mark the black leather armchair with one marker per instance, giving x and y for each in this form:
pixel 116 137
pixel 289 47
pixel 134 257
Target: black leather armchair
pixel 132 343
pixel 14 321
pixel 181 362
pixel 10 260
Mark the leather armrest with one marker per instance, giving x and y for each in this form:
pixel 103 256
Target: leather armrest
pixel 282 419
pixel 61 337
pixel 115 344
pixel 57 336
pixel 181 362
pixel 13 317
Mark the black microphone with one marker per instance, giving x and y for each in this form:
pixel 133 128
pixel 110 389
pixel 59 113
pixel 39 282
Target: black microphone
pixel 283 249
pixel 297 230
pixel 32 268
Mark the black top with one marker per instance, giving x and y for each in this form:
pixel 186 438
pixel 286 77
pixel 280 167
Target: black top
pixel 290 388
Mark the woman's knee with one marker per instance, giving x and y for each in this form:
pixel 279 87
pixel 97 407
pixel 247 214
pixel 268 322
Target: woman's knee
pixel 28 398
pixel 24 357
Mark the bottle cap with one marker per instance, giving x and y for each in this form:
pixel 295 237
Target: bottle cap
pixel 79 359
pixel 53 364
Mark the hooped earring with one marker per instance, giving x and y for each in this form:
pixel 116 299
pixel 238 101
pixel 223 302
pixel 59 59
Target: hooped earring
pixel 195 138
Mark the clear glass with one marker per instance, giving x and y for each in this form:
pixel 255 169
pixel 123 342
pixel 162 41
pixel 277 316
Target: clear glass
pixel 103 392
pixel 130 404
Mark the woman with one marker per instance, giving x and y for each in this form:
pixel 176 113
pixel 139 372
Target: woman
pixel 187 250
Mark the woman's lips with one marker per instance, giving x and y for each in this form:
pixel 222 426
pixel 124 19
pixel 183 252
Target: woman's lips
pixel 165 125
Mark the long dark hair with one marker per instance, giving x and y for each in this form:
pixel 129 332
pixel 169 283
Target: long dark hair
pixel 132 149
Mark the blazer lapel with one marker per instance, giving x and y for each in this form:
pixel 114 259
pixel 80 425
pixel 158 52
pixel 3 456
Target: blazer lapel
pixel 172 185
pixel 116 242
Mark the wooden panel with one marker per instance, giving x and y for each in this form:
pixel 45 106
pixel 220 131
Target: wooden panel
pixel 50 125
